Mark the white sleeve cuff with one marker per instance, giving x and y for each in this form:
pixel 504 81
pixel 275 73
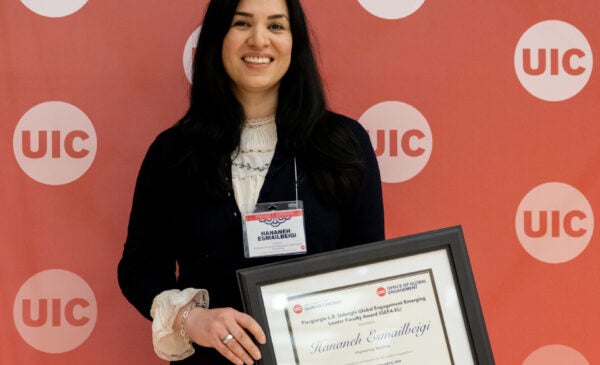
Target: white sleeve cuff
pixel 169 344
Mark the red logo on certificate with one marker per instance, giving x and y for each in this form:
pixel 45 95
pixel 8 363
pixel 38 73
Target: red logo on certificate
pixel 298 309
pixel 381 291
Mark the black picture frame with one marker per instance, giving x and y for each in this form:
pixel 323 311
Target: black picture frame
pixel 253 281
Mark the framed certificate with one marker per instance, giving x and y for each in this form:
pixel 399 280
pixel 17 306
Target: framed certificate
pixel 409 300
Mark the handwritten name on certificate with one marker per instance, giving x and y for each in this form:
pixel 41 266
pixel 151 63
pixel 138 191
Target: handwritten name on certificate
pixel 395 320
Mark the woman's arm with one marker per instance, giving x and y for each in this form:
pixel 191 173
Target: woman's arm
pixel 147 266
pixel 364 218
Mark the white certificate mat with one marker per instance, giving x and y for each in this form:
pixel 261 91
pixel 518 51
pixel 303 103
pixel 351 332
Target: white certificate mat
pixel 369 323
pixel 342 317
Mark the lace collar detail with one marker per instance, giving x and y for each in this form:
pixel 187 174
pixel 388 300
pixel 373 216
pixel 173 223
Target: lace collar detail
pixel 257 122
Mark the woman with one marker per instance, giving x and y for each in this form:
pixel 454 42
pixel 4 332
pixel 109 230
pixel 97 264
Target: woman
pixel 257 130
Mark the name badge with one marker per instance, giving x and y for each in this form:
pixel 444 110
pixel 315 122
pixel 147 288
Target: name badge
pixel 274 229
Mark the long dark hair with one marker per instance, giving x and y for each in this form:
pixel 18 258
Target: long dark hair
pixel 212 126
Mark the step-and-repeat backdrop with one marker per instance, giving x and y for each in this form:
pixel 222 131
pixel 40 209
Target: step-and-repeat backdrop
pixel 484 114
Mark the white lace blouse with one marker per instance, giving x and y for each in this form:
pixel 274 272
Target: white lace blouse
pixel 250 163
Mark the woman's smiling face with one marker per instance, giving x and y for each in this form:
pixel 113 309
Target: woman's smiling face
pixel 257 48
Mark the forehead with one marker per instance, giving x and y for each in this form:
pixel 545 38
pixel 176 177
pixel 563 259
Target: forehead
pixel 269 7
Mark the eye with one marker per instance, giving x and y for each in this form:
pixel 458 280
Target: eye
pixel 240 24
pixel 277 27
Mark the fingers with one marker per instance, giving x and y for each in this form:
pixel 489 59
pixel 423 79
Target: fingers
pixel 242 345
pixel 237 354
pixel 239 358
pixel 248 323
pixel 213 327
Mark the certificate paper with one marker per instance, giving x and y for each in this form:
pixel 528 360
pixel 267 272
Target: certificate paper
pixel 396 320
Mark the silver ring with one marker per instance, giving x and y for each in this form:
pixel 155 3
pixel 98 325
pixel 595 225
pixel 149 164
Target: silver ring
pixel 227 339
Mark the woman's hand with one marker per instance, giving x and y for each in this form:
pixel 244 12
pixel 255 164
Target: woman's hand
pixel 212 327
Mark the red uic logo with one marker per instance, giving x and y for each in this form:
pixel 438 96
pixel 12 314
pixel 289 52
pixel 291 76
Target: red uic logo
pixel 553 223
pixel 70 308
pixel 393 142
pixel 556 60
pixel 55 141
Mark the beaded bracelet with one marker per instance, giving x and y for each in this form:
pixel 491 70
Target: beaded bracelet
pixel 184 316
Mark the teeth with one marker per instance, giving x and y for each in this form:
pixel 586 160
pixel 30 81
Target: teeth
pixel 257 59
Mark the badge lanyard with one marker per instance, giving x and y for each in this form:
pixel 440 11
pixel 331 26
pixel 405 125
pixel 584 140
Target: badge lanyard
pixel 275 229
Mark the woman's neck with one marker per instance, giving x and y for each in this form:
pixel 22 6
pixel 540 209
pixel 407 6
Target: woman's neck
pixel 258 105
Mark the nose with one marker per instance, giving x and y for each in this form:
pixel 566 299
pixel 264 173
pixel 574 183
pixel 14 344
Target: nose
pixel 259 38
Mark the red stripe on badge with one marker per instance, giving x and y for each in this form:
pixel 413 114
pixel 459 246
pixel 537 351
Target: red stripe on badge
pixel 273 215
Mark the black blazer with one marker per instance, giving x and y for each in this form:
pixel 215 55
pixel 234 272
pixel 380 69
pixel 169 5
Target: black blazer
pixel 172 223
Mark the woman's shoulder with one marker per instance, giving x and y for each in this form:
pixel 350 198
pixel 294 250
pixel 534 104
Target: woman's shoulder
pixel 167 144
pixel 169 135
pixel 343 121
pixel 339 118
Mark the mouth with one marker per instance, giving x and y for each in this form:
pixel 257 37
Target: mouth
pixel 257 60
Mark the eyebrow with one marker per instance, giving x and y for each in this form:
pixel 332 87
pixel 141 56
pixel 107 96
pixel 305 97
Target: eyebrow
pixel 270 17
